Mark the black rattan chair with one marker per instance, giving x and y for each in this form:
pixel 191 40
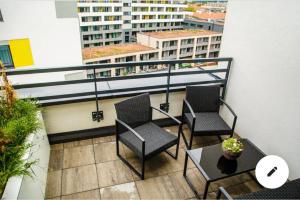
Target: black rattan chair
pixel 200 112
pixel 290 190
pixel 135 129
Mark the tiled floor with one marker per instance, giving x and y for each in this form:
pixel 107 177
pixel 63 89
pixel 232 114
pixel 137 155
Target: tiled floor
pixel 90 169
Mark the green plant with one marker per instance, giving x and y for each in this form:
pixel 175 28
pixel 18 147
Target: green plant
pixel 233 145
pixel 18 119
pixel 190 9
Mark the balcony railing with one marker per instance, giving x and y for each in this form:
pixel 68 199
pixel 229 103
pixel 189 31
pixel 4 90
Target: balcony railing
pixel 169 80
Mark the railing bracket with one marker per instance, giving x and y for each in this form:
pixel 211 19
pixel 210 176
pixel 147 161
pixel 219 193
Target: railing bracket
pixel 165 107
pixel 97 115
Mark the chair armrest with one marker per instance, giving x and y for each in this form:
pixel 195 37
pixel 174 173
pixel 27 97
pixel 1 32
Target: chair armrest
pixel 224 192
pixel 232 112
pixel 229 108
pixel 185 102
pixel 167 114
pixel 130 129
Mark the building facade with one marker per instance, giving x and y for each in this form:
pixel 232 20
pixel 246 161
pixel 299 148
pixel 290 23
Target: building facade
pixel 184 44
pixel 110 22
pixel 194 23
pixel 28 41
pixel 165 45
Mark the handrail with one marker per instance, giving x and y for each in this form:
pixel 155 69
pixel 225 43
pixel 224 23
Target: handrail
pixel 99 93
pixel 113 65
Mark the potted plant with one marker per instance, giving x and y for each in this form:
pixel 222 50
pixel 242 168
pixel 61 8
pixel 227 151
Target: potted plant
pixel 232 148
pixel 18 119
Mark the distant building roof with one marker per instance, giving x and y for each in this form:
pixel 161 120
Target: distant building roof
pixel 111 50
pixel 179 33
pixel 210 15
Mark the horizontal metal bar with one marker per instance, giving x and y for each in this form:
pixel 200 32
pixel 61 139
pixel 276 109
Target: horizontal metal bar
pixel 150 75
pixel 113 65
pixel 125 90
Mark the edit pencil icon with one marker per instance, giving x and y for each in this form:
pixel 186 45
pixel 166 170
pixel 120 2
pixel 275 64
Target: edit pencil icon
pixel 272 171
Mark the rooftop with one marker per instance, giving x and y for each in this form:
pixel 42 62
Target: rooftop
pixel 179 33
pixel 111 50
pixel 211 15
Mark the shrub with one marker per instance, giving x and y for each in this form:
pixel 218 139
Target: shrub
pixel 18 119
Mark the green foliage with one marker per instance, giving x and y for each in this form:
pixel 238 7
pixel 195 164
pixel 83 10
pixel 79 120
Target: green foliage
pixel 16 124
pixel 233 145
pixel 190 9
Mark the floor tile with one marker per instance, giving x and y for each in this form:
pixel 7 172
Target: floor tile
pixel 103 139
pixel 183 189
pixel 78 143
pixel 53 188
pixel 113 173
pixel 106 152
pixel 55 198
pixel 79 179
pixel 91 195
pixel 181 159
pixel 78 156
pixel 123 191
pixel 197 180
pixel 157 188
pixel 57 146
pixel 56 160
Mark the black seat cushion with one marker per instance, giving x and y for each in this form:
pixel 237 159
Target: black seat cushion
pixel 208 123
pixel 290 190
pixel 156 139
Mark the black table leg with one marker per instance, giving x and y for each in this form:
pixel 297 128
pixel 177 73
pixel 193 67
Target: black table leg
pixel 185 164
pixel 206 189
pixel 197 195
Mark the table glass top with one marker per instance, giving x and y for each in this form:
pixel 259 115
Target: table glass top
pixel 213 165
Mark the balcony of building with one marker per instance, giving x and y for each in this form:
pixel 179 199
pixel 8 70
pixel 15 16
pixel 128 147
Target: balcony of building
pixel 83 161
pixel 258 76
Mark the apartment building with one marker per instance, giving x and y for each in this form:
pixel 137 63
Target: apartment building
pixel 119 54
pixel 27 42
pixel 183 44
pixel 165 45
pixel 206 20
pixel 107 22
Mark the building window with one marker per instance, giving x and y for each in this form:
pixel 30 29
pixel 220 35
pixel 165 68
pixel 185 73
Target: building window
pixel 84 19
pixel 106 27
pixel 1 17
pixel 85 37
pixel 126 21
pixel 84 9
pixel 96 28
pixel 95 19
pixel 5 56
pixel 84 29
pixel 126 4
pixel 118 9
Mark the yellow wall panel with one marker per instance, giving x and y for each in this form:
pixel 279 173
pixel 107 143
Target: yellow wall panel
pixel 21 52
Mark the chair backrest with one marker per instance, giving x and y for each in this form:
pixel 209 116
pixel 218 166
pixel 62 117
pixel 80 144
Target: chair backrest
pixel 204 98
pixel 135 111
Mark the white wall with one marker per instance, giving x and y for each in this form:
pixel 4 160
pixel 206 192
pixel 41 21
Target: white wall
pixel 262 36
pixel 54 42
pixel 80 114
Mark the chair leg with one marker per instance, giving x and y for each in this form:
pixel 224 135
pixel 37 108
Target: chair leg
pixel 117 146
pixel 141 175
pixel 143 169
pixel 191 141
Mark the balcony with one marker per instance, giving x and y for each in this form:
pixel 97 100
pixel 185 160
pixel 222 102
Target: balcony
pixel 98 171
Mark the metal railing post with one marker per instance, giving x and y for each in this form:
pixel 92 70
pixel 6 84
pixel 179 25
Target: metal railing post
pixel 165 106
pixel 97 115
pixel 226 79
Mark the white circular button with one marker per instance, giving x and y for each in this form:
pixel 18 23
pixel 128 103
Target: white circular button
pixel 272 171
